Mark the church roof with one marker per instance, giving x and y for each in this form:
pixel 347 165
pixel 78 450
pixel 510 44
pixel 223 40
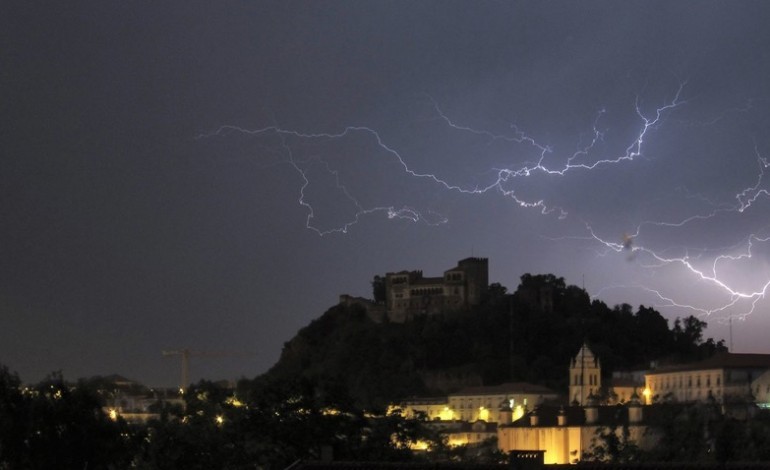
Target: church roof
pixel 508 388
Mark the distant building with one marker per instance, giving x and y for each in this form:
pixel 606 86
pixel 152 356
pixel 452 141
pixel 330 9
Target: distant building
pixel 481 403
pixel 531 418
pixel 566 434
pixel 723 378
pixel 585 376
pixel 623 385
pixel 409 293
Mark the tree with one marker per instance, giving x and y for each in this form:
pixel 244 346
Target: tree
pixel 55 425
pixel 379 290
pixel 613 445
pixel 13 417
pixel 497 291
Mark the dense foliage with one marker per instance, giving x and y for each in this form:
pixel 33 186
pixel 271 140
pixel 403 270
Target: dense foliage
pixel 693 433
pixel 58 425
pixel 530 335
pixel 311 403
pixel 261 425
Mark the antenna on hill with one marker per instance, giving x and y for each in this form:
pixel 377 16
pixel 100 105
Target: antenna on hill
pixel 730 322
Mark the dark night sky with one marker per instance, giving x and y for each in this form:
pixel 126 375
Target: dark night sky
pixel 133 221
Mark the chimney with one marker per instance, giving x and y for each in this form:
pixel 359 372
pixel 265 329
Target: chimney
pixel 634 409
pixel 506 414
pixel 561 419
pixel 591 410
pixel 534 419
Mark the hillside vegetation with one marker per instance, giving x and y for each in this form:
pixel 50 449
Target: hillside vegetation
pixel 527 336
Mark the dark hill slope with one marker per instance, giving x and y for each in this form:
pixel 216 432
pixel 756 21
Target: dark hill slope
pixel 530 335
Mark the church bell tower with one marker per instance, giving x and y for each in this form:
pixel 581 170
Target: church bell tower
pixel 585 376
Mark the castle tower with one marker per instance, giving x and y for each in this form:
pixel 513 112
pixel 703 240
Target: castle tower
pixel 476 277
pixel 585 376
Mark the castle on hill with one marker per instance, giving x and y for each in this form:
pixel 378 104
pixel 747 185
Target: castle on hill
pixel 400 296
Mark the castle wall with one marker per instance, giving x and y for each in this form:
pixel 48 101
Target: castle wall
pixel 408 293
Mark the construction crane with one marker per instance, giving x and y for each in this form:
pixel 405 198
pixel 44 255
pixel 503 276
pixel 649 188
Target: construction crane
pixel 186 354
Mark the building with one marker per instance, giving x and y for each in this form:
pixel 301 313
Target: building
pixel 723 378
pixel 484 402
pixel 623 385
pixel 481 403
pixel 409 293
pixel 585 376
pixel 566 434
pixel 530 418
pixel 472 415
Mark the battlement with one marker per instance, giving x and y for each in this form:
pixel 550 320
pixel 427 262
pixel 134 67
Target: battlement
pixel 404 294
pixel 410 293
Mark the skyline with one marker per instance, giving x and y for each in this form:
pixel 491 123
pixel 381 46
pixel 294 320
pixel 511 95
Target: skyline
pixel 212 178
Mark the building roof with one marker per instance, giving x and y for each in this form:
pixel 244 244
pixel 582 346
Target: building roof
pixel 479 426
pixel 625 382
pixel 424 401
pixel 613 415
pixel 720 361
pixel 399 465
pixel 491 466
pixel 508 388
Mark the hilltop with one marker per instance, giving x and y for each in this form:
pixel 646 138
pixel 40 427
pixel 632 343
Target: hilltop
pixel 529 335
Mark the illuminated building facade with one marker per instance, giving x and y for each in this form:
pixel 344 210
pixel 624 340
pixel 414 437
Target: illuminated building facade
pixel 723 378
pixel 567 433
pixel 481 403
pixel 585 376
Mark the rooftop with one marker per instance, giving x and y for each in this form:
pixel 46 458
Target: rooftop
pixel 720 361
pixel 507 388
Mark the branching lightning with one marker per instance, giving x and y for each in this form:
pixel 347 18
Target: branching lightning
pixel 712 270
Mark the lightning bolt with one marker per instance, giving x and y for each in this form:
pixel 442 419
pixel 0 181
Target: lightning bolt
pixel 503 175
pixel 587 156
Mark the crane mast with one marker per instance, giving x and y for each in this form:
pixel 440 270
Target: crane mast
pixel 186 354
